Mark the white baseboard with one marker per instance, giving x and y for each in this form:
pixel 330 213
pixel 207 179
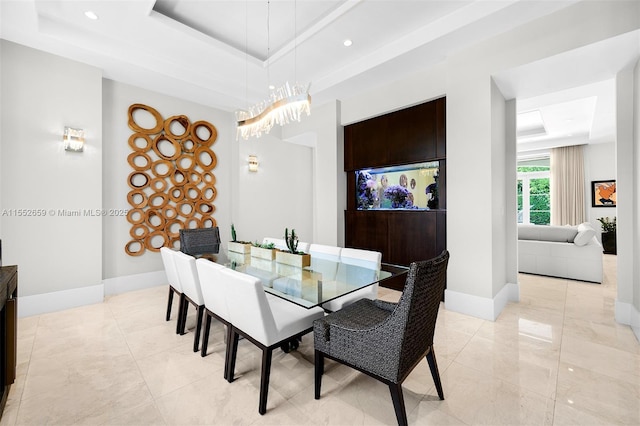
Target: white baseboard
pixel 627 314
pixel 59 300
pixel 127 283
pixel 66 299
pixel 481 307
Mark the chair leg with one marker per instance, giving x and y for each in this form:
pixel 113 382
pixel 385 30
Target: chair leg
pixel 398 403
pixel 205 335
pixel 233 342
pixel 169 303
pixel 227 354
pixel 184 307
pixel 264 379
pixel 319 371
pixel 433 366
pixel 196 338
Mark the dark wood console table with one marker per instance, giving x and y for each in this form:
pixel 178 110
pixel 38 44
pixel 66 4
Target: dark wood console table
pixel 8 329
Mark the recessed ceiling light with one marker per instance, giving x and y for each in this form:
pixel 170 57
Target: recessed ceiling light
pixel 347 42
pixel 91 15
pixel 272 87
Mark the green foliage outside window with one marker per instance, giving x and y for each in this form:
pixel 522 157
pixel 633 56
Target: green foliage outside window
pixel 539 197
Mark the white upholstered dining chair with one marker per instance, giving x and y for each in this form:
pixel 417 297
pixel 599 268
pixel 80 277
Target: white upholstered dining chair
pixel 214 298
pixel 188 275
pixel 174 284
pixel 370 262
pixel 267 322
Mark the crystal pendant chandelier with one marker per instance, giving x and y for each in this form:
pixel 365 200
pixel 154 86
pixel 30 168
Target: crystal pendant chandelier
pixel 285 104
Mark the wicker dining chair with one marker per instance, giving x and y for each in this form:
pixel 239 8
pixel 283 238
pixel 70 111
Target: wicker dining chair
pixel 200 242
pixel 387 340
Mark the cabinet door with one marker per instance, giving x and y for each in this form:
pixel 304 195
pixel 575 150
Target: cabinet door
pixel 412 237
pixel 367 230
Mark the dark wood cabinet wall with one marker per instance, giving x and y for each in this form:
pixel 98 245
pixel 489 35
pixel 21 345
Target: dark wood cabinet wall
pixel 412 135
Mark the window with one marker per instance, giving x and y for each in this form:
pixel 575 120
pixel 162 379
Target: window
pixel 534 202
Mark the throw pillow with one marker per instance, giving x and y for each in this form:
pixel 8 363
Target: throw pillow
pixel 585 234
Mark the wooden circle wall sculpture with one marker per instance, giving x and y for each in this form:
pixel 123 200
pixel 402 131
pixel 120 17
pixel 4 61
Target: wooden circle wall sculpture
pixel 171 184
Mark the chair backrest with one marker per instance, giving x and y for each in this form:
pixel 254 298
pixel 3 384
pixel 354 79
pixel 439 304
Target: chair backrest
pixel 168 260
pixel 279 243
pixel 188 276
pixel 365 258
pixel 320 251
pixel 248 305
pixel 418 308
pixel 213 288
pixel 303 247
pixel 200 241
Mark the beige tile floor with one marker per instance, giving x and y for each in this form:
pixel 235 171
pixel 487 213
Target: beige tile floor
pixel 557 357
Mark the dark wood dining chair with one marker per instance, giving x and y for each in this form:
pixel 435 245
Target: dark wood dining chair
pixel 387 340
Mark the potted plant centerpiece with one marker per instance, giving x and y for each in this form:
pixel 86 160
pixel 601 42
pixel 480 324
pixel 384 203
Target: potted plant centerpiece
pixel 293 257
pixel 608 235
pixel 263 251
pixel 236 246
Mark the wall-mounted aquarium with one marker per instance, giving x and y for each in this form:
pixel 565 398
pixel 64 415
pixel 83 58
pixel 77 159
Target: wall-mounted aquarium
pixel 412 186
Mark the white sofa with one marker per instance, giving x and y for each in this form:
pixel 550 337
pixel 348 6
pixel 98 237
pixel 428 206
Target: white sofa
pixel 560 251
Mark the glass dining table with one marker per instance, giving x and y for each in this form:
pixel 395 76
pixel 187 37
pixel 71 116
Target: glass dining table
pixel 310 286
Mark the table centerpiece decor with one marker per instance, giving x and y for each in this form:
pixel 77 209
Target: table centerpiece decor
pixel 293 257
pixel 236 246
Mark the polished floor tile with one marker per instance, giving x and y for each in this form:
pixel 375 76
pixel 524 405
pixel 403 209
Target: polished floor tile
pixel 555 358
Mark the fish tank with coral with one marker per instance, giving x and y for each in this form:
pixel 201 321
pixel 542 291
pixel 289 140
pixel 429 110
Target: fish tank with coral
pixel 412 186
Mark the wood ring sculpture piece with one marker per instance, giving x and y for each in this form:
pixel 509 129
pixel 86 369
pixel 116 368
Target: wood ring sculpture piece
pixel 158 184
pixel 178 178
pixel 165 163
pixel 204 208
pixel 132 178
pixel 186 204
pixel 213 133
pixel 131 159
pixel 209 178
pixel 192 192
pixel 208 222
pixel 135 216
pixel 190 161
pixel 169 228
pixel 148 241
pixel 203 150
pixel 137 193
pixel 169 212
pixel 136 128
pixel 152 215
pixel 134 137
pixel 139 232
pixel 153 200
pixel 176 194
pixel 183 120
pixel 209 193
pixel 156 147
pixel 188 145
pixel 131 252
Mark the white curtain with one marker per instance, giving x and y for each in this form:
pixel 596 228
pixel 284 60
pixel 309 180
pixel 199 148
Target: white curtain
pixel 567 186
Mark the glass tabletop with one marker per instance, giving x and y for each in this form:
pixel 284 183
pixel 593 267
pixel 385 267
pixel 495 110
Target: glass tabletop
pixel 310 286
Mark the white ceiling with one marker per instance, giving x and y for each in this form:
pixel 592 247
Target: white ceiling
pixel 223 53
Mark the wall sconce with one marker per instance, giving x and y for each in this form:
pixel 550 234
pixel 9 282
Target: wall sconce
pixel 253 163
pixel 73 139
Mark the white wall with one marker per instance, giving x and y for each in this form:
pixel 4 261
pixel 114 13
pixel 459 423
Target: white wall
pixel 323 133
pixel 117 99
pixel 474 285
pixel 279 195
pixel 600 164
pixel 41 94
